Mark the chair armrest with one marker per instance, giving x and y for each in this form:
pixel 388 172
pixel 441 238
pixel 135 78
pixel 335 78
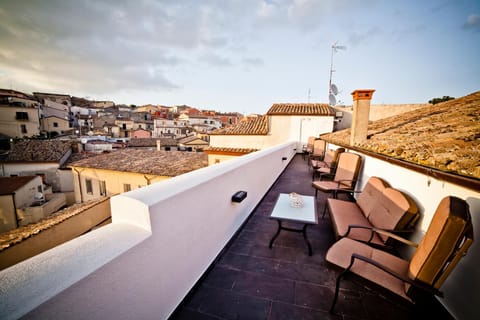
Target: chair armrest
pixel 384 268
pixel 388 233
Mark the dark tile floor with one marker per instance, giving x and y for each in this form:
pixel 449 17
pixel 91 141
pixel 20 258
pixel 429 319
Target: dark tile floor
pixel 251 281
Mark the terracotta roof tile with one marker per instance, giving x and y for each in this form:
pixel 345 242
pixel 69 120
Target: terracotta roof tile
pixel 444 136
pixel 221 150
pixel 151 142
pixel 256 126
pixel 294 109
pixel 161 163
pixel 39 151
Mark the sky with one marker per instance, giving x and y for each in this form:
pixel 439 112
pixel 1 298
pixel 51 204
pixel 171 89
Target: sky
pixel 240 55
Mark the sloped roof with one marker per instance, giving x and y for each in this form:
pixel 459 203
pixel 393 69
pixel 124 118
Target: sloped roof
pixel 300 109
pixel 151 142
pixel 9 185
pixel 256 126
pixel 222 150
pixel 160 163
pixel 39 151
pixel 444 136
pixel 190 139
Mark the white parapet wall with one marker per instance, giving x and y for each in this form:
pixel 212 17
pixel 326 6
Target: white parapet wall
pixel 162 239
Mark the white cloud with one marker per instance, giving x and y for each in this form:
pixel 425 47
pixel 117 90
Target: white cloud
pixel 473 22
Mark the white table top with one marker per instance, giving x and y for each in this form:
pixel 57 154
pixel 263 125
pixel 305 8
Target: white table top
pixel 305 214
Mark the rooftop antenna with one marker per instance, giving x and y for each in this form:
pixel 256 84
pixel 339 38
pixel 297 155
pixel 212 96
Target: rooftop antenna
pixel 332 88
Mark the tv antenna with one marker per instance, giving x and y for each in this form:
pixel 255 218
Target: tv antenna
pixel 332 88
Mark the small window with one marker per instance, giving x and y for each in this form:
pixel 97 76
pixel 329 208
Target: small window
pixel 21 116
pixel 88 186
pixel 102 185
pixel 39 188
pixel 55 124
pixel 127 187
pixel 23 128
pixel 217 160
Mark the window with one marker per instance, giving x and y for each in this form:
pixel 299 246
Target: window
pixel 127 187
pixel 55 124
pixel 22 116
pixel 88 186
pixel 102 185
pixel 23 128
pixel 124 126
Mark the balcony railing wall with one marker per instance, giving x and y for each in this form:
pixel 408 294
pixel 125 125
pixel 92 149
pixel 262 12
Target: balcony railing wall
pixel 162 239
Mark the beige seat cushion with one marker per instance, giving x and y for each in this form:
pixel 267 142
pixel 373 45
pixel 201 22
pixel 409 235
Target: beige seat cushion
pixel 341 252
pixel 345 213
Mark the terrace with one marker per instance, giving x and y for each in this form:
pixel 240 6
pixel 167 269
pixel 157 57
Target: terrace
pixel 170 237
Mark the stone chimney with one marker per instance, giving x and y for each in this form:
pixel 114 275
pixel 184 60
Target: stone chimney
pixel 361 111
pixel 159 145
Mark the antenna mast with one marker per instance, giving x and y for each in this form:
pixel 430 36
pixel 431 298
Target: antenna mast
pixel 332 89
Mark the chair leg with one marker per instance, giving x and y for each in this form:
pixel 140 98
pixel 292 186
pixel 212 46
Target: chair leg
pixel 325 209
pixel 337 284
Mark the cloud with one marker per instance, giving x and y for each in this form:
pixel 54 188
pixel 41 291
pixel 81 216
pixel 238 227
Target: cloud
pixel 473 22
pixel 213 59
pixel 357 37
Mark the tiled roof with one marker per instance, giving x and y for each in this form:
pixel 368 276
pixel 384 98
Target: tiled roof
pixel 151 142
pixel 300 109
pixel 12 237
pixel 8 185
pixel 256 126
pixel 39 151
pixel 444 136
pixel 161 163
pixel 190 139
pixel 220 150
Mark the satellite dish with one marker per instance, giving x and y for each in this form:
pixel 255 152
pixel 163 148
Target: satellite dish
pixel 334 89
pixel 332 99
pixel 38 196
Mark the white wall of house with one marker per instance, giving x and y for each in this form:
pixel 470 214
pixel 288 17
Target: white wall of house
pixel 13 127
pixel 427 193
pixel 25 195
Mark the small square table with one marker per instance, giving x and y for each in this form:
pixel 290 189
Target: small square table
pixel 283 211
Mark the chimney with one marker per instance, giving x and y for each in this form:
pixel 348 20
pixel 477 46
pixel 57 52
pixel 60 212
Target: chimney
pixel 361 110
pixel 159 145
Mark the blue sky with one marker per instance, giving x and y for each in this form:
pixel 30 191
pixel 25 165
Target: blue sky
pixel 240 55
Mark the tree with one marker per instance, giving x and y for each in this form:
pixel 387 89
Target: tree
pixel 438 100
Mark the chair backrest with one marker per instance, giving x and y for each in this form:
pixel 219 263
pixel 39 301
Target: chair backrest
pixel 372 191
pixel 348 167
pixel 319 147
pixel 393 210
pixel 447 239
pixel 310 142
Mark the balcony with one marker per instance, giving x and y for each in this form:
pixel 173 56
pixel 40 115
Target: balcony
pixel 182 249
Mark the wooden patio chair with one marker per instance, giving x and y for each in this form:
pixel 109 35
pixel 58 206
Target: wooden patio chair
pixel 446 241
pixel 345 178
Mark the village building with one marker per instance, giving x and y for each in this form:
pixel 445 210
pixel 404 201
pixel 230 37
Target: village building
pixel 129 169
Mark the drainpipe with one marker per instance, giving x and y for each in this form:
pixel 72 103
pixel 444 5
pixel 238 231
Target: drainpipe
pixel 79 184
pixel 361 111
pixel 15 211
pixel 148 179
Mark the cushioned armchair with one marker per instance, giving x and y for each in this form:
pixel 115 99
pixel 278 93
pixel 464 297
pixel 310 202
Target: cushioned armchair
pixel 446 241
pixel 345 178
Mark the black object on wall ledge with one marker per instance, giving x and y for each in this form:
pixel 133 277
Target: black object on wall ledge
pixel 239 196
pixel 284 158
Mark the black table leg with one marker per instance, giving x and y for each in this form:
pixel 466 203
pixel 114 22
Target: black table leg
pixel 303 231
pixel 276 234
